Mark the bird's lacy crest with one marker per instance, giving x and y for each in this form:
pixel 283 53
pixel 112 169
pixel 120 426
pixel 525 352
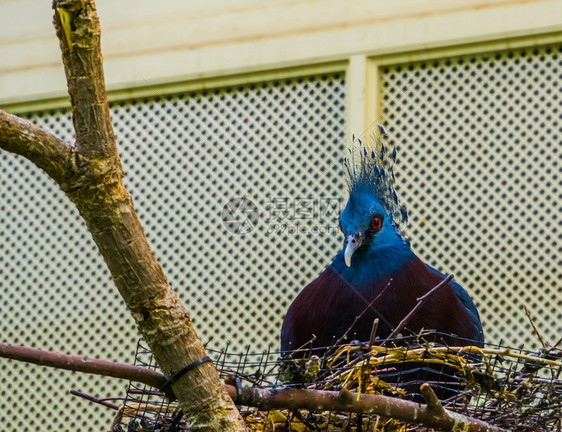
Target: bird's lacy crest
pixel 370 166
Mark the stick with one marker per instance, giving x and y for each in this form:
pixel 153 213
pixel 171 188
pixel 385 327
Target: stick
pixel 82 364
pixel 357 318
pixel 374 329
pixel 421 301
pixel 386 406
pixel 556 344
pixel 432 401
pixel 303 346
pixel 534 327
pixel 94 399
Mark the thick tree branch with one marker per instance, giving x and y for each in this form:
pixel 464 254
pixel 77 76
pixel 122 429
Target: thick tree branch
pixel 90 173
pixel 431 415
pixel 108 210
pixel 78 29
pixel 346 401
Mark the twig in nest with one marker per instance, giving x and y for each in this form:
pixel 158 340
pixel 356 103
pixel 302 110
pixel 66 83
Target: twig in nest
pixel 302 347
pixel 556 344
pixel 94 399
pixel 374 329
pixel 421 301
pixel 357 318
pixel 534 326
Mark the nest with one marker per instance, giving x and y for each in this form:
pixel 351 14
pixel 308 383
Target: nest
pixel 506 387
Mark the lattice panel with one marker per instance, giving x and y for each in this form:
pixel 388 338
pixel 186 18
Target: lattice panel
pixel 185 157
pixel 479 148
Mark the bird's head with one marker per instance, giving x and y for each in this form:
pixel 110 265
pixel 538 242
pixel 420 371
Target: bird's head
pixel 373 216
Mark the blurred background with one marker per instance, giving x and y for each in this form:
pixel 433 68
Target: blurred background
pixel 232 119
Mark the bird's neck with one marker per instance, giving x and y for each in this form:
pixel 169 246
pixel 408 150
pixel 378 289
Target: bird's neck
pixel 372 263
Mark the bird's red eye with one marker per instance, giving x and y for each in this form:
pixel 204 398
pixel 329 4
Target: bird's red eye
pixel 377 223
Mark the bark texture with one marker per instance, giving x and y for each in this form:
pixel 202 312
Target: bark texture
pixel 90 173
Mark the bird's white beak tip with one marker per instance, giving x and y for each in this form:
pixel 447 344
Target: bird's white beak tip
pixel 353 242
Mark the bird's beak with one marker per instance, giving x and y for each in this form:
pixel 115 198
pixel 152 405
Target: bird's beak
pixel 352 242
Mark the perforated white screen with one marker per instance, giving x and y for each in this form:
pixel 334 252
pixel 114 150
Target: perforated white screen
pixel 479 148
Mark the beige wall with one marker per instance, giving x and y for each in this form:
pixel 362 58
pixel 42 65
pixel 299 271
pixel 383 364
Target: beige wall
pixel 189 41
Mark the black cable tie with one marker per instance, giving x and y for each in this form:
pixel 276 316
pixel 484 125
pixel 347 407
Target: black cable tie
pixel 183 371
pixel 238 385
pixel 176 422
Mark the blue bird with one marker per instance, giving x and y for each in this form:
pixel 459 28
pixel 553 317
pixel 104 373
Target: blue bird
pixel 376 261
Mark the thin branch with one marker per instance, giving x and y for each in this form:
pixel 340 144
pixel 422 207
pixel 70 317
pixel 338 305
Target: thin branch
pixel 357 318
pixel 374 329
pixel 303 346
pixel 556 344
pixel 536 330
pixel 94 399
pixel 421 301
pixel 45 150
pixel 82 364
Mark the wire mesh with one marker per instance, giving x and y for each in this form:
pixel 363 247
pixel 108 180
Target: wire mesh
pixel 507 387
pixel 147 409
